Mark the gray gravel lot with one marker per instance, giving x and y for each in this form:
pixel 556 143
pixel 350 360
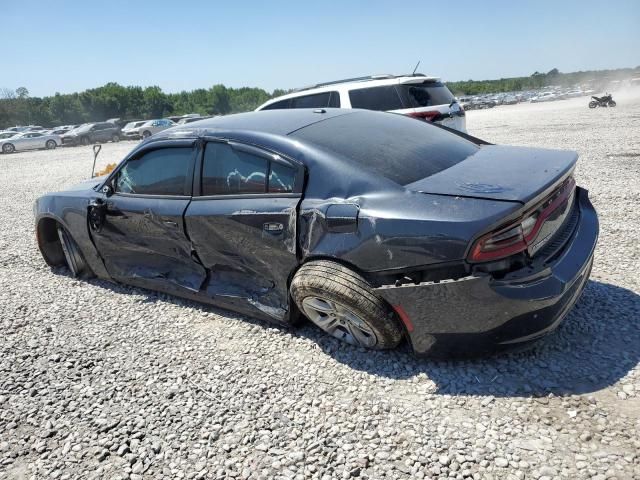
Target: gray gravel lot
pixel 104 381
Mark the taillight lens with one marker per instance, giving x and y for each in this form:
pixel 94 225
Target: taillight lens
pixel 430 115
pixel 516 237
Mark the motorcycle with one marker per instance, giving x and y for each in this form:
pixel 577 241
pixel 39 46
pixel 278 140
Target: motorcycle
pixel 605 101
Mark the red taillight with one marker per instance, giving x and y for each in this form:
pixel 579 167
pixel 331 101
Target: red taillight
pixel 430 115
pixel 517 236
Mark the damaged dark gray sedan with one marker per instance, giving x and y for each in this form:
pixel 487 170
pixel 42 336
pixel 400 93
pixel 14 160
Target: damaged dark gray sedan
pixel 374 226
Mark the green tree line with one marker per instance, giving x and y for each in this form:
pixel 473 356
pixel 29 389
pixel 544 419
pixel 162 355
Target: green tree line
pixel 116 101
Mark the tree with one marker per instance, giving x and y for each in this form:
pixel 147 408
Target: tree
pixel 7 93
pixel 22 92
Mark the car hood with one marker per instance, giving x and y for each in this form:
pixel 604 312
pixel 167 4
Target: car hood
pixel 87 184
pixel 497 172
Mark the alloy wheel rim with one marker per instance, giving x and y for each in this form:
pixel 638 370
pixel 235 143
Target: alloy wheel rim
pixel 339 321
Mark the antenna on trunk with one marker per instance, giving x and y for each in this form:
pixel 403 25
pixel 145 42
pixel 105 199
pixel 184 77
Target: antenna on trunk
pixel 96 150
pixel 414 70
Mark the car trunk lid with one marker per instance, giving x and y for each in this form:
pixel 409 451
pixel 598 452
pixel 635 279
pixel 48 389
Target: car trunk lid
pixel 516 174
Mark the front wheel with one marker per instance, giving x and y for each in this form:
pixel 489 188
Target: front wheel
pixel 593 104
pixel 85 141
pixel 51 144
pixel 342 303
pixel 612 103
pixel 8 148
pixel 115 138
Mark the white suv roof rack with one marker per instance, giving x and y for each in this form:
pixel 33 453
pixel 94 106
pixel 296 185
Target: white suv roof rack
pixel 383 76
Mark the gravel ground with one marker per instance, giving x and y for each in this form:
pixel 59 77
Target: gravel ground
pixel 105 381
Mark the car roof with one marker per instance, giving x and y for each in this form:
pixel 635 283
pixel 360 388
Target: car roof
pixel 353 84
pixel 277 122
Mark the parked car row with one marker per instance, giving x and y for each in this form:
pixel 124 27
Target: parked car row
pixel 12 141
pixel 32 137
pixel 548 94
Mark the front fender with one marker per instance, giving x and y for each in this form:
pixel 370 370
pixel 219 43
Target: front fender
pixel 70 210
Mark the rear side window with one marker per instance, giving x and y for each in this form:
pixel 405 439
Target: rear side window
pixel 158 172
pixel 229 171
pixel 281 178
pixel 376 98
pixel 394 146
pixel 425 94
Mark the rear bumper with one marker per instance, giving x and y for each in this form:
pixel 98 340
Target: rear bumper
pixel 480 314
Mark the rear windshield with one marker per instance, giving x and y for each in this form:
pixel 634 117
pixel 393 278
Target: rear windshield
pixel 425 94
pixel 400 148
pixel 397 97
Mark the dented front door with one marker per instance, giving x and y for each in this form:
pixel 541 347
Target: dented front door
pixel 143 242
pixel 140 231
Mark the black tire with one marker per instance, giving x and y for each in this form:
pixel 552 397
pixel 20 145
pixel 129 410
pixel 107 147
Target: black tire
pixel 612 103
pixel 146 134
pixel 115 138
pixel 51 145
pixel 593 104
pixel 8 148
pixel 85 141
pixel 364 314
pixel 72 254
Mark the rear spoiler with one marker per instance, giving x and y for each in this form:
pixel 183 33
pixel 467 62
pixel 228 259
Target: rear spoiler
pixel 405 81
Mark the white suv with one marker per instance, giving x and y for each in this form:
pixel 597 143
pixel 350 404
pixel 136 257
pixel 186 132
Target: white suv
pixel 416 95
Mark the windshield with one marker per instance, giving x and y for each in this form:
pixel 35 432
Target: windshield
pixel 7 135
pixel 394 146
pixel 82 128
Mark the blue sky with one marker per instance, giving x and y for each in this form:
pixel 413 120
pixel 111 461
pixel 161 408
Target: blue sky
pixel 69 46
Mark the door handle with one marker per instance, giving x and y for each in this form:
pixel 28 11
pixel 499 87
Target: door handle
pixel 273 227
pixel 170 223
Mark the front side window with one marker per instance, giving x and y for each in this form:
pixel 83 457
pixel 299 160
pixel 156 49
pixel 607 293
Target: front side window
pixel 317 100
pixel 158 172
pixel 226 171
pixel 278 105
pixel 334 100
pixel 376 98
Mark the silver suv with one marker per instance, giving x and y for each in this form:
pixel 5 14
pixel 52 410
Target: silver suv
pixel 416 95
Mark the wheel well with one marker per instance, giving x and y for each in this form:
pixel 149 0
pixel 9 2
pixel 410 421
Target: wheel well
pixel 357 270
pixel 49 242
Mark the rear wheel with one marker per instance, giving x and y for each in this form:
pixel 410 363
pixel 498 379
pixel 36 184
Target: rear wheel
pixel 115 138
pixel 593 104
pixel 8 148
pixel 51 144
pixel 146 134
pixel 341 302
pixel 75 261
pixel 85 141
